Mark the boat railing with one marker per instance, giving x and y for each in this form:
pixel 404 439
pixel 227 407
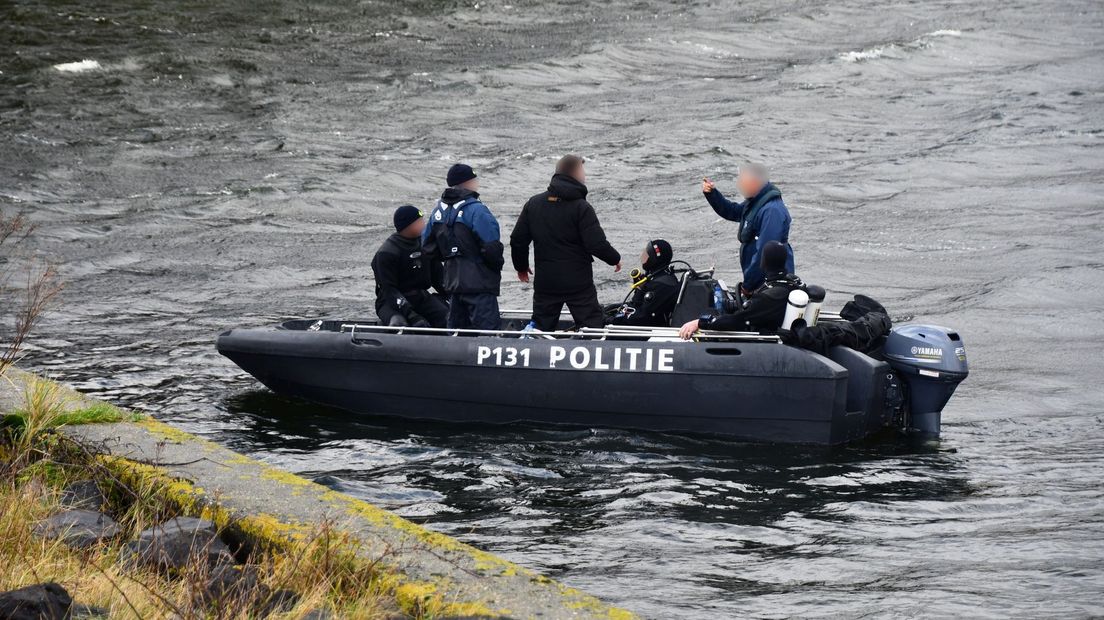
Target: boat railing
pixel 612 332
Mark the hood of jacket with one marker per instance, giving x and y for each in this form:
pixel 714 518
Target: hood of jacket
pixel 454 195
pixel 566 187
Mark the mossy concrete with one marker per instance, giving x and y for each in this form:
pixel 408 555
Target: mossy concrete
pixel 427 571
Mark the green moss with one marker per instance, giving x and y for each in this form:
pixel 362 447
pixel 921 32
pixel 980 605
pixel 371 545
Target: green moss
pixel 99 413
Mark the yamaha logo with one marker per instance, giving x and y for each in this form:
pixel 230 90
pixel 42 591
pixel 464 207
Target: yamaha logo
pixel 927 351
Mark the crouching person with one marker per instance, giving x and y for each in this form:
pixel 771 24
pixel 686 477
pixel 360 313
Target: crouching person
pixel 765 310
pixel 655 292
pixel 404 275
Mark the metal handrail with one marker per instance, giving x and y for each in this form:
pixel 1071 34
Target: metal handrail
pixel 593 333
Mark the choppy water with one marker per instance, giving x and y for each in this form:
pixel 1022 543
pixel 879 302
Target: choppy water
pixel 214 164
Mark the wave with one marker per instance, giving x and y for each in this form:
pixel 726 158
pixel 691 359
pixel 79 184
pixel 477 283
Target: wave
pixel 79 67
pixel 891 49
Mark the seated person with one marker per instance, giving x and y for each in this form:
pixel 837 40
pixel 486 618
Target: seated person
pixel 765 309
pixel 655 293
pixel 404 275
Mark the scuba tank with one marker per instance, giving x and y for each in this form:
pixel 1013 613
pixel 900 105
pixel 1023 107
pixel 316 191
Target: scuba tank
pixel 816 300
pixel 795 307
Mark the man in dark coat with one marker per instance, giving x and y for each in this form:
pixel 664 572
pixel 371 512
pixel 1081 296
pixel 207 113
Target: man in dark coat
pixel 763 218
pixel 654 295
pixel 566 236
pixel 464 235
pixel 404 274
pixel 765 309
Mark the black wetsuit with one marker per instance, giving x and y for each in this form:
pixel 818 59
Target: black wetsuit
pixel 652 303
pixel 764 311
pixel 404 275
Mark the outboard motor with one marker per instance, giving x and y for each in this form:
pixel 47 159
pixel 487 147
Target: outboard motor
pixel 932 362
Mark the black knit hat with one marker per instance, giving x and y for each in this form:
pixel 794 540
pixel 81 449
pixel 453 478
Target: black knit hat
pixel 659 255
pixel 405 216
pixel 774 257
pixel 459 173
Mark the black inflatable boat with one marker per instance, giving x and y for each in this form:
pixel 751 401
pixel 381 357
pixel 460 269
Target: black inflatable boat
pixel 744 385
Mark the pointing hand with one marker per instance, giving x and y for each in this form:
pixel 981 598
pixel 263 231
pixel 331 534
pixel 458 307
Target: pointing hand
pixel 617 267
pixel 707 186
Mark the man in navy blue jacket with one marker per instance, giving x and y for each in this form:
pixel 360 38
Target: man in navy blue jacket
pixel 763 218
pixel 465 236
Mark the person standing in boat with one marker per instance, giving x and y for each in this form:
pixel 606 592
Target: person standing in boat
pixel 404 275
pixel 656 291
pixel 763 218
pixel 464 235
pixel 566 237
pixel 764 310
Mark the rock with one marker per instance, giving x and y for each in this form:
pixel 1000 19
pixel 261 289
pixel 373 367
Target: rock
pixel 79 529
pixel 240 588
pixel 231 584
pixel 278 602
pixel 83 495
pixel 46 601
pixel 317 614
pixel 88 612
pixel 175 544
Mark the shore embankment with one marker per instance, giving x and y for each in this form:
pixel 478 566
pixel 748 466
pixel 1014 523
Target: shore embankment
pixel 255 511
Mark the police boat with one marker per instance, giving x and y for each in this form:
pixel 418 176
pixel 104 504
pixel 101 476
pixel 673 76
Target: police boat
pixel 749 386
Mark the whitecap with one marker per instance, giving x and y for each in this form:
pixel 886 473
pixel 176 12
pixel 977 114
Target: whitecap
pixel 945 33
pixel 860 56
pixel 79 66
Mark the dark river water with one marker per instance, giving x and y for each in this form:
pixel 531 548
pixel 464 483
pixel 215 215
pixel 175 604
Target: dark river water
pixel 227 163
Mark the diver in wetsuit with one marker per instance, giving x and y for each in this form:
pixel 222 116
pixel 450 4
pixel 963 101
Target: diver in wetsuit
pixel 766 308
pixel 404 274
pixel 655 293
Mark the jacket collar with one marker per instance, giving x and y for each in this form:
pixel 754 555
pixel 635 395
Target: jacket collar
pixel 454 195
pixel 566 187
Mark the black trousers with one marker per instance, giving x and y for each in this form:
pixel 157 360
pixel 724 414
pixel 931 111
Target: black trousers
pixel 429 307
pixel 583 306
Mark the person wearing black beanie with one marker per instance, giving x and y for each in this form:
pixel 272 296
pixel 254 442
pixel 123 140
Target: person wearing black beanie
pixel 404 275
pixel 463 234
pixel 654 291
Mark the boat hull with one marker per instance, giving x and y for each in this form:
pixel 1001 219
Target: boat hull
pixel 760 391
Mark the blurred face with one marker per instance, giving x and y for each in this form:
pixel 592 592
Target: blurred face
pixel 643 257
pixel 580 174
pixel 415 229
pixel 472 184
pixel 748 184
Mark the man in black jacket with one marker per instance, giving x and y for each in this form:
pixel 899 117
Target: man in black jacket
pixel 766 308
pixel 566 235
pixel 404 274
pixel 655 293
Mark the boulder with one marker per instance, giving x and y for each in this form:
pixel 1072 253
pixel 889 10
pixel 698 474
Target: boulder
pixel 240 588
pixel 231 584
pixel 79 529
pixel 176 543
pixel 45 601
pixel 83 495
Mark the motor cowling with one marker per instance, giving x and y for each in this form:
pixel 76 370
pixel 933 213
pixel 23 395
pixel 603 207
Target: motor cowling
pixel 931 360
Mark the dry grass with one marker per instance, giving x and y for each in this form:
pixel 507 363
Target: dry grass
pixel 28 286
pixel 35 463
